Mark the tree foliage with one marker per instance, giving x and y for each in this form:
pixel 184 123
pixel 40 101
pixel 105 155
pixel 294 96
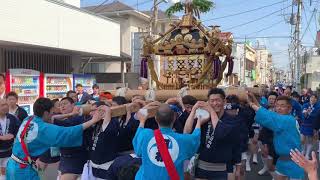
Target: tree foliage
pixel 193 6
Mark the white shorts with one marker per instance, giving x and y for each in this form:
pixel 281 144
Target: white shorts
pixel 3 162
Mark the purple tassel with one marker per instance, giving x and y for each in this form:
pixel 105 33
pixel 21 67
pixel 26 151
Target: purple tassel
pixel 230 65
pixel 216 67
pixel 143 68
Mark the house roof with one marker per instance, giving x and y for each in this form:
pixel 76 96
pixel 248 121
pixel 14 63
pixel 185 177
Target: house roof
pixel 118 6
pixel 111 7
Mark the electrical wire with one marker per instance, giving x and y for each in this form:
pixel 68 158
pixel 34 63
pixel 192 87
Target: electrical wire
pixel 239 13
pixel 308 25
pixel 99 6
pixel 315 20
pixel 266 28
pixel 141 3
pixel 240 25
pixel 266 37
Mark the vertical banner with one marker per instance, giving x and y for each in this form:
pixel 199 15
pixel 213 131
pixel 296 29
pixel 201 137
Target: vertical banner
pixel 7 83
pixel 41 85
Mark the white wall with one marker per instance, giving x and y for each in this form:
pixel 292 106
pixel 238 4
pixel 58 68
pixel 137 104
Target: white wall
pixel 48 24
pixel 75 3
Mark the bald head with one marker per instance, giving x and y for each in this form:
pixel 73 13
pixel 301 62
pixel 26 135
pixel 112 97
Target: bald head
pixel 165 116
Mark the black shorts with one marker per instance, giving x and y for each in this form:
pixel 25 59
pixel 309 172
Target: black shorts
pixel 211 175
pixel 230 167
pixel 251 133
pixel 46 158
pixel 102 174
pixel 72 165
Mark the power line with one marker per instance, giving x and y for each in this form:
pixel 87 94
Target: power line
pixel 315 20
pixel 141 3
pixel 99 6
pixel 308 25
pixel 266 28
pixel 265 37
pixel 239 25
pixel 239 13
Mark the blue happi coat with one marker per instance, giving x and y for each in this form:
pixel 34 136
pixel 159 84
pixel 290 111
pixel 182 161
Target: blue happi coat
pixel 40 137
pixel 306 125
pixel 286 137
pixel 181 147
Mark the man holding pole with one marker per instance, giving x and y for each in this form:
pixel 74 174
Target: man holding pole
pixel 163 151
pixel 286 134
pixel 218 137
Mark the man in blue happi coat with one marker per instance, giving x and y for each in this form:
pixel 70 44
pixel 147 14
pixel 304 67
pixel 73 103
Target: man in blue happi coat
pixel 180 146
pixel 286 134
pixel 36 135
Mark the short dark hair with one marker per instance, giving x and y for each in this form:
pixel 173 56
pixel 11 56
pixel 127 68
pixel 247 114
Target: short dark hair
pixel 99 103
pixel 217 91
pixel 289 87
pixel 233 99
pixel 314 96
pixel 68 99
pixel 285 98
pixel 272 94
pixel 12 93
pixel 79 85
pixel 120 100
pixel 189 100
pixel 165 116
pixel 55 100
pixel 3 76
pixel 41 106
pixel 295 94
pixel 71 92
pixel 95 86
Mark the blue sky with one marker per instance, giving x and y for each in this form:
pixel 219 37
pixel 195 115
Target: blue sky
pixel 275 24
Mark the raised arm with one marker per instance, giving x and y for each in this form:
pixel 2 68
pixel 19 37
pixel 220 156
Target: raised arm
pixel 138 138
pixel 267 118
pixel 75 112
pixel 189 123
pixel 101 113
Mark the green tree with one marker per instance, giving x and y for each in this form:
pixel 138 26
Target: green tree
pixel 194 7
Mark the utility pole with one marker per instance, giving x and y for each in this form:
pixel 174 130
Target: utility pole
pixel 155 17
pixel 244 60
pixel 297 45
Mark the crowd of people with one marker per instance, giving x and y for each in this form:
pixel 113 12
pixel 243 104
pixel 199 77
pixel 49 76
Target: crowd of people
pixel 185 139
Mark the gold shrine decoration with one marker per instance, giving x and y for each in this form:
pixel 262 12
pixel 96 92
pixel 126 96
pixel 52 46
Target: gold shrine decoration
pixel 153 73
pixel 186 39
pixel 188 63
pixel 203 76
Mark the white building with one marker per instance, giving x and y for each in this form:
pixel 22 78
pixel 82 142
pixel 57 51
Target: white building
pixel 263 68
pixel 54 37
pixel 312 77
pixel 244 64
